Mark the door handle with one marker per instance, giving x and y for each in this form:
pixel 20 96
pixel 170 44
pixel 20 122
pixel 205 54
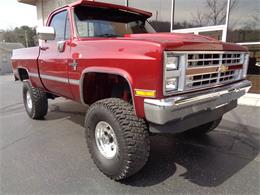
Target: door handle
pixel 44 48
pixel 61 46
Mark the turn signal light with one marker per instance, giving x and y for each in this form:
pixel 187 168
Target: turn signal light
pixel 145 93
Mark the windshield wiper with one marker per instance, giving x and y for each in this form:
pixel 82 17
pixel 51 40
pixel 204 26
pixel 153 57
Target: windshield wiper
pixel 107 35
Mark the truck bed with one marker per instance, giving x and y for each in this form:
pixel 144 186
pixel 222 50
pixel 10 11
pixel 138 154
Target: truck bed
pixel 26 59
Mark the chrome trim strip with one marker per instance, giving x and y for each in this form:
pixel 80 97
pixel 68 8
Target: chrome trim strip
pixel 249 43
pixel 55 78
pixel 74 81
pixel 208 52
pixel 33 74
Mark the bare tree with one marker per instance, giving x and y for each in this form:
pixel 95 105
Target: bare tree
pixel 215 13
pixel 254 22
pixel 199 18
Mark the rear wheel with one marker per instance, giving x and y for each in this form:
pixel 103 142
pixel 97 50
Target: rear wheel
pixel 118 141
pixel 35 101
pixel 204 129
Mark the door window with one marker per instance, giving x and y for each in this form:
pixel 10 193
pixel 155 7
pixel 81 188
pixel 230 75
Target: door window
pixel 60 22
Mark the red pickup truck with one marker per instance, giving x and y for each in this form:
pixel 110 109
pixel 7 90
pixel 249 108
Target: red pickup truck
pixel 136 81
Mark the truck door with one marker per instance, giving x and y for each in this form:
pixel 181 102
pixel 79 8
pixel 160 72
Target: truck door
pixel 55 56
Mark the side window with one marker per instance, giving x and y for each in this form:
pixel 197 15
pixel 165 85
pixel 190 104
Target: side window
pixel 94 28
pixel 60 22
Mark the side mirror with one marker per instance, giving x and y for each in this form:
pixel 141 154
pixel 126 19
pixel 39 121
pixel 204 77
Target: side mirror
pixel 46 33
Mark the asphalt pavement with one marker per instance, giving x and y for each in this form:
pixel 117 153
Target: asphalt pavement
pixel 50 156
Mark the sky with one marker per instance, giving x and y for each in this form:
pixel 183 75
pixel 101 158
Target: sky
pixel 14 14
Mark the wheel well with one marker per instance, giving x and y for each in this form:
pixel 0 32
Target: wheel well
pixel 97 86
pixel 23 74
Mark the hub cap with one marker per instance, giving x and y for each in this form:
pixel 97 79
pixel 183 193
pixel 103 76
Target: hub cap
pixel 28 100
pixel 106 140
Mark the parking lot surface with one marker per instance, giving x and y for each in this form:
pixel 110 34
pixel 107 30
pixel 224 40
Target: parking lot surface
pixel 50 156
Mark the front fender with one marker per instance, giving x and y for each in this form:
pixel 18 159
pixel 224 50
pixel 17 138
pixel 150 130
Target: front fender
pixel 137 101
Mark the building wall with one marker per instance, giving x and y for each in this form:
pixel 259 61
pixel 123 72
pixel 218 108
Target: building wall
pixel 1 36
pixel 5 62
pixel 45 7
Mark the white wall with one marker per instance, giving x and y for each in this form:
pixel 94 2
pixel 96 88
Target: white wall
pixel 45 7
pixel 5 62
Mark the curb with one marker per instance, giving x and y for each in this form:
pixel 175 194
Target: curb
pixel 250 99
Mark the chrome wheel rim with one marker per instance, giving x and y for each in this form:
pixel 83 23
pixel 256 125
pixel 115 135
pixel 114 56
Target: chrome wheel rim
pixel 28 100
pixel 106 140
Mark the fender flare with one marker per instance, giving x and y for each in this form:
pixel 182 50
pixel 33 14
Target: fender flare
pixel 24 68
pixel 108 70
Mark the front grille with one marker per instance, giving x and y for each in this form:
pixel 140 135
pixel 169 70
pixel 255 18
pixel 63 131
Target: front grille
pixel 214 59
pixel 199 80
pixel 209 69
pixel 227 76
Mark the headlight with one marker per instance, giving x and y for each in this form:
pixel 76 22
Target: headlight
pixel 171 84
pixel 172 62
pixel 174 71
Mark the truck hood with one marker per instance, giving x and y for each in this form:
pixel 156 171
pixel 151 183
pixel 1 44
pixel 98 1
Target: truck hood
pixel 186 42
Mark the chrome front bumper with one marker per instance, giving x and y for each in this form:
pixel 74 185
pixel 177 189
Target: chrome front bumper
pixel 165 110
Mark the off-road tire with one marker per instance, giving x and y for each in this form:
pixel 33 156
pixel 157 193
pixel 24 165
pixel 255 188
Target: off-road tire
pixel 131 134
pixel 39 101
pixel 204 129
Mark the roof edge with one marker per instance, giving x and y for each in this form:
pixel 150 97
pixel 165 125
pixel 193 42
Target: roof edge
pixel 114 6
pixel 29 2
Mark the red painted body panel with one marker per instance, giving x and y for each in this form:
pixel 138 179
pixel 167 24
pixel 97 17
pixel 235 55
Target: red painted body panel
pixel 53 63
pixel 27 58
pixel 187 42
pixel 138 58
pixel 138 61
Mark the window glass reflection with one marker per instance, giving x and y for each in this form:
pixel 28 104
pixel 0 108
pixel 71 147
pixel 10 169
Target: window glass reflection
pixel 214 34
pixel 161 10
pixel 119 2
pixel 199 13
pixel 244 21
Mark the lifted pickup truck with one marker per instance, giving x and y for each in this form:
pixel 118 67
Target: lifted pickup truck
pixel 136 81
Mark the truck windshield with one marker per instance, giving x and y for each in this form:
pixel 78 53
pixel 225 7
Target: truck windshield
pixel 106 22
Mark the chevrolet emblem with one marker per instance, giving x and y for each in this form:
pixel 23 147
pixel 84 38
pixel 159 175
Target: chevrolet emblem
pixel 223 68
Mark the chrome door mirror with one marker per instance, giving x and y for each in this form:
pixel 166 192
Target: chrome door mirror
pixel 46 33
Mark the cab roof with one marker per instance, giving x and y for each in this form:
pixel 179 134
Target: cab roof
pixel 112 6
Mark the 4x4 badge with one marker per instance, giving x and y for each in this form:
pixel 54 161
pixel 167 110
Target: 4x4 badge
pixel 74 64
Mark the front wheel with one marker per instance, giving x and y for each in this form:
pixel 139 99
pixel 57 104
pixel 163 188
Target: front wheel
pixel 118 141
pixel 35 101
